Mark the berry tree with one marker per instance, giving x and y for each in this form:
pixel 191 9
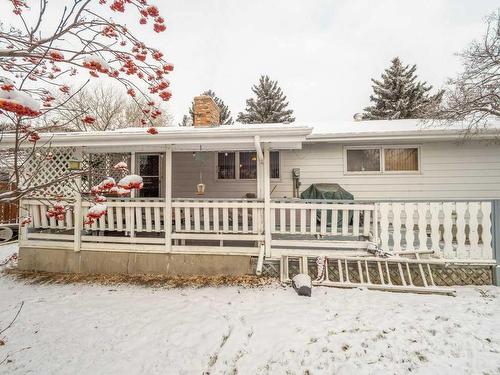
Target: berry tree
pixel 40 54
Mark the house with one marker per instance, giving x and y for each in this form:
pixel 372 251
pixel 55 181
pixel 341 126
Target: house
pixel 233 195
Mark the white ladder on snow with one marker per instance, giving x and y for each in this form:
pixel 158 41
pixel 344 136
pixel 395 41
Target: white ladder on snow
pixel 354 272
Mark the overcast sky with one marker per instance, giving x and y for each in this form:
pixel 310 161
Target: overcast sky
pixel 323 53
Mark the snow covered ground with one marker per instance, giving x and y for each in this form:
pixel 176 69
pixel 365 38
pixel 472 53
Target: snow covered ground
pixel 82 329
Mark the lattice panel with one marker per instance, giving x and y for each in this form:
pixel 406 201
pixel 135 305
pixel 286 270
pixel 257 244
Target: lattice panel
pixel 443 276
pixel 48 166
pixel 100 166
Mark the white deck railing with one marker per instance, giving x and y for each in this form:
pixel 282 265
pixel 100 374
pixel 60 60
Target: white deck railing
pixel 218 216
pixel 456 230
pixel 325 218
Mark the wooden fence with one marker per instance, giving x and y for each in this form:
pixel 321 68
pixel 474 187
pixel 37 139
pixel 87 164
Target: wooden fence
pixel 8 211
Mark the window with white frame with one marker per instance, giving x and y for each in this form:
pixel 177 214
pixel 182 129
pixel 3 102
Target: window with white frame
pixel 382 159
pixel 243 165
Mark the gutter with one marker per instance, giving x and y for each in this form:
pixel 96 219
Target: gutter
pixel 212 135
pixel 438 134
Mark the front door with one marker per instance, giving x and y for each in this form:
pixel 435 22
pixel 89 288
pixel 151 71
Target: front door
pixel 148 166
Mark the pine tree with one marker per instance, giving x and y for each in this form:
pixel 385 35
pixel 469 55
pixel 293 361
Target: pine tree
pixel 400 96
pixel 186 121
pixel 268 107
pixel 225 113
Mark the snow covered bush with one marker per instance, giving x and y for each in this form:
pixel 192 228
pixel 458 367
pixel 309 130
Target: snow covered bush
pixel 119 191
pixel 57 211
pixel 131 181
pixel 19 102
pixel 107 184
pixel 121 166
pixel 96 212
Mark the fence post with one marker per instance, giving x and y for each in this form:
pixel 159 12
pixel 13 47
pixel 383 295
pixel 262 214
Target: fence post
pixel 495 229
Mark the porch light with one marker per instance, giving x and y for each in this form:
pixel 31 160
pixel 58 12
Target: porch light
pixel 254 157
pixel 74 165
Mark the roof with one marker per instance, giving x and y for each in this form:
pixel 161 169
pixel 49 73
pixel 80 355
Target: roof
pixel 243 136
pixel 412 129
pixel 238 137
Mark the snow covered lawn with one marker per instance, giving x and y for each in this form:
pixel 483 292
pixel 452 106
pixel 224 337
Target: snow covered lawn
pixel 82 329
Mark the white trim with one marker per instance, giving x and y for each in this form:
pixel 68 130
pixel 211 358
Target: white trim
pixel 283 136
pixel 382 171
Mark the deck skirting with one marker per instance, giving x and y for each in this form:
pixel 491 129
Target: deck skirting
pixel 116 262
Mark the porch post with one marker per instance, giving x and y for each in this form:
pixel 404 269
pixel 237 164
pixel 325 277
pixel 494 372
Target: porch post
pixel 167 219
pixel 132 171
pixel 260 161
pixel 267 202
pixel 77 208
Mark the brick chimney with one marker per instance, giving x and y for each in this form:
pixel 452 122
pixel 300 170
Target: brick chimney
pixel 206 112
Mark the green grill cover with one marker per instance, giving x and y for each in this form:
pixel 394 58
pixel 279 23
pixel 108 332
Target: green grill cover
pixel 328 191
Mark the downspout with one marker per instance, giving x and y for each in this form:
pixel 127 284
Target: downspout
pixel 495 229
pixel 258 148
pixel 260 159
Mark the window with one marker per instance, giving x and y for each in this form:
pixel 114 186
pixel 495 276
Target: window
pixel 367 160
pixel 275 164
pixel 225 166
pixel 401 159
pixel 247 165
pixel 383 159
pixel 149 169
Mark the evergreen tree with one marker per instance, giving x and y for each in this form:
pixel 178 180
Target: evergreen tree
pixel 186 121
pixel 400 96
pixel 225 113
pixel 268 107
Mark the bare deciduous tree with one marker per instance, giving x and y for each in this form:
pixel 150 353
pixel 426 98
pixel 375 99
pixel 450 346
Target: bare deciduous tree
pixel 474 95
pixel 110 108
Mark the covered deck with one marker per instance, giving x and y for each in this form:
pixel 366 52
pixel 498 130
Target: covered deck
pixel 160 221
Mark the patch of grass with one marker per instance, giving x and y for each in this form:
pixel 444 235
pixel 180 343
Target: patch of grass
pixel 41 277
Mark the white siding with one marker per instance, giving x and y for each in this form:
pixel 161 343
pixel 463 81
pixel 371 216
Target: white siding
pixel 186 175
pixel 449 170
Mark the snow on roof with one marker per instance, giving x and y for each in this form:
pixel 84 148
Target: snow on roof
pixel 342 130
pixel 282 135
pixel 411 128
pixel 236 127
